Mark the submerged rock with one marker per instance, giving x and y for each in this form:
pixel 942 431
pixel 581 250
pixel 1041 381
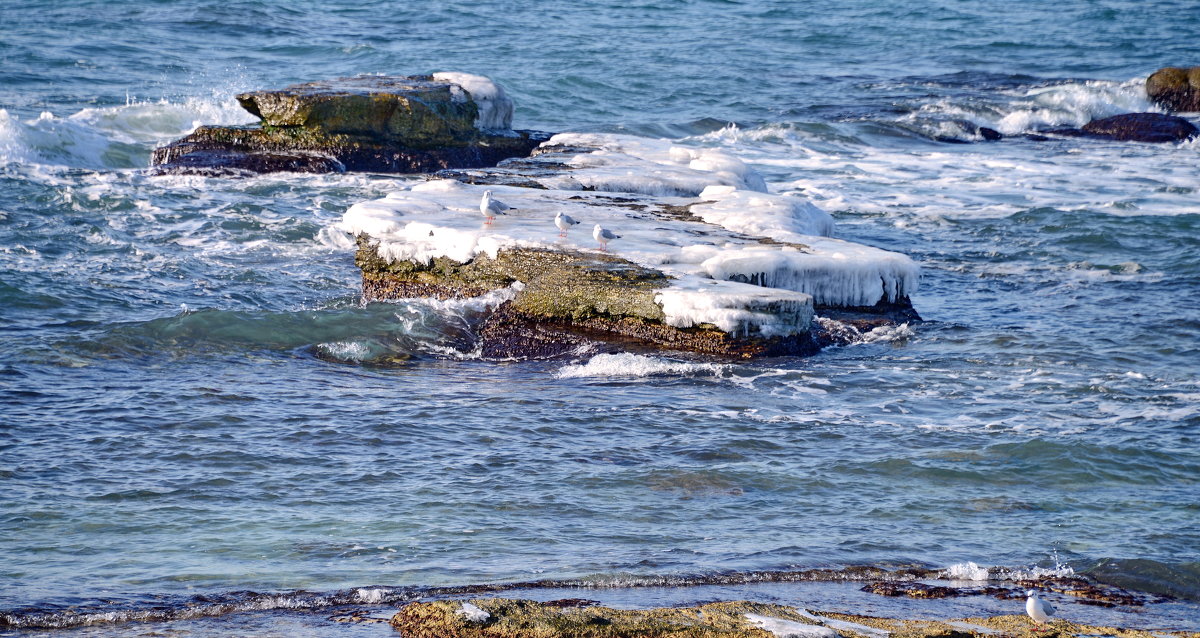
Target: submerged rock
pixel 1175 89
pixel 724 269
pixel 414 124
pixel 1135 127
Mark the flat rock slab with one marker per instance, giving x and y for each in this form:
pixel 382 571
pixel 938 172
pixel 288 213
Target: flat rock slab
pixel 417 110
pixel 417 124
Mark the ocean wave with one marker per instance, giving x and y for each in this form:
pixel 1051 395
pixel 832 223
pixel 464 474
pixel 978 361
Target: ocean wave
pixel 628 365
pixel 113 137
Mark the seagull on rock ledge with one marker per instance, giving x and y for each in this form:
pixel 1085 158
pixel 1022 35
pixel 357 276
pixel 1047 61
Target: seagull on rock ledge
pixel 603 235
pixel 564 223
pixel 492 207
pixel 1039 610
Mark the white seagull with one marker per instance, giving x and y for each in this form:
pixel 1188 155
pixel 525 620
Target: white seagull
pixel 492 207
pixel 1038 609
pixel 603 235
pixel 564 223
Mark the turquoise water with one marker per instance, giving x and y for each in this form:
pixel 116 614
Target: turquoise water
pixel 182 412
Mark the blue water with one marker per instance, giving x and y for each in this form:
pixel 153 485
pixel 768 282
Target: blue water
pixel 179 415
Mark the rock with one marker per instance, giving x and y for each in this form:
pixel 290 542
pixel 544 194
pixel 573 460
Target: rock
pixel 1141 127
pixel 368 123
pixel 719 270
pixel 1175 89
pixel 1133 127
pixel 514 618
pixel 509 618
pixel 569 299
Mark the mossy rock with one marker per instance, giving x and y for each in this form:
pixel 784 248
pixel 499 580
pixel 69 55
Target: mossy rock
pixel 510 618
pixel 417 111
pixel 559 284
pixel 1175 88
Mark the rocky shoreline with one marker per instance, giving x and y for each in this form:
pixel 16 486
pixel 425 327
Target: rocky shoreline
pixel 580 618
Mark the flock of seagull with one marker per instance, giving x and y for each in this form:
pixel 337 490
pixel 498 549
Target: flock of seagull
pixel 491 207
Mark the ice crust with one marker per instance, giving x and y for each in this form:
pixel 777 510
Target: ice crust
pixel 723 272
pixel 628 164
pixel 495 107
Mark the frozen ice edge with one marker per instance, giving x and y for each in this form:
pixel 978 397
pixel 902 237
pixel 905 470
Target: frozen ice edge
pixel 723 272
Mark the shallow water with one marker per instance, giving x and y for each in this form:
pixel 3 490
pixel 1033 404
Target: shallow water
pixel 195 402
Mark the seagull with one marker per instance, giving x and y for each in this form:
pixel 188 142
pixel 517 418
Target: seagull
pixel 564 223
pixel 603 235
pixel 1038 609
pixel 492 207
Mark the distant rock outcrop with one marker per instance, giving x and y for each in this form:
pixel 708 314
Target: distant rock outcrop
pixel 1175 89
pixel 413 124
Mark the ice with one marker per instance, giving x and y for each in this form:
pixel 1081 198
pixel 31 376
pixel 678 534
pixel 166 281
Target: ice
pixel 758 266
pixel 782 218
pixel 472 613
pixel 624 163
pixel 495 107
pixel 790 628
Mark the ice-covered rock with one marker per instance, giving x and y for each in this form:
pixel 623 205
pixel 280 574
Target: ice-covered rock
pixel 724 267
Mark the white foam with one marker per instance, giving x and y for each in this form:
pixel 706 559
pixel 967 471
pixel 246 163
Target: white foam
pixel 495 107
pixel 966 571
pixel 106 137
pixel 636 365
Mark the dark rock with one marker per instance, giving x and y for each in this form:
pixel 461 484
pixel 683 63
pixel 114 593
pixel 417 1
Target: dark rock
pixel 1175 89
pixel 373 124
pixel 1133 127
pixel 1141 127
pixel 220 162
pixel 990 134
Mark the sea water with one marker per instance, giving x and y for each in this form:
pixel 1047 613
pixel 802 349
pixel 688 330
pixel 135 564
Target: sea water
pixel 198 415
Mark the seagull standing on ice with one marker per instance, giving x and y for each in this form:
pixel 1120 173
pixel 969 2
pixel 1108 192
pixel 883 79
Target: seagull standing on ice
pixel 603 235
pixel 564 223
pixel 1039 610
pixel 492 207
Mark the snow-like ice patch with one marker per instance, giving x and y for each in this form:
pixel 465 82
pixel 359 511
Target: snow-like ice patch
pixel 495 107
pixel 790 628
pixel 625 163
pixel 472 613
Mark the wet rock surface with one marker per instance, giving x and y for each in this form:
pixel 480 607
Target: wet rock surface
pixel 367 123
pixel 1175 88
pixel 1135 127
